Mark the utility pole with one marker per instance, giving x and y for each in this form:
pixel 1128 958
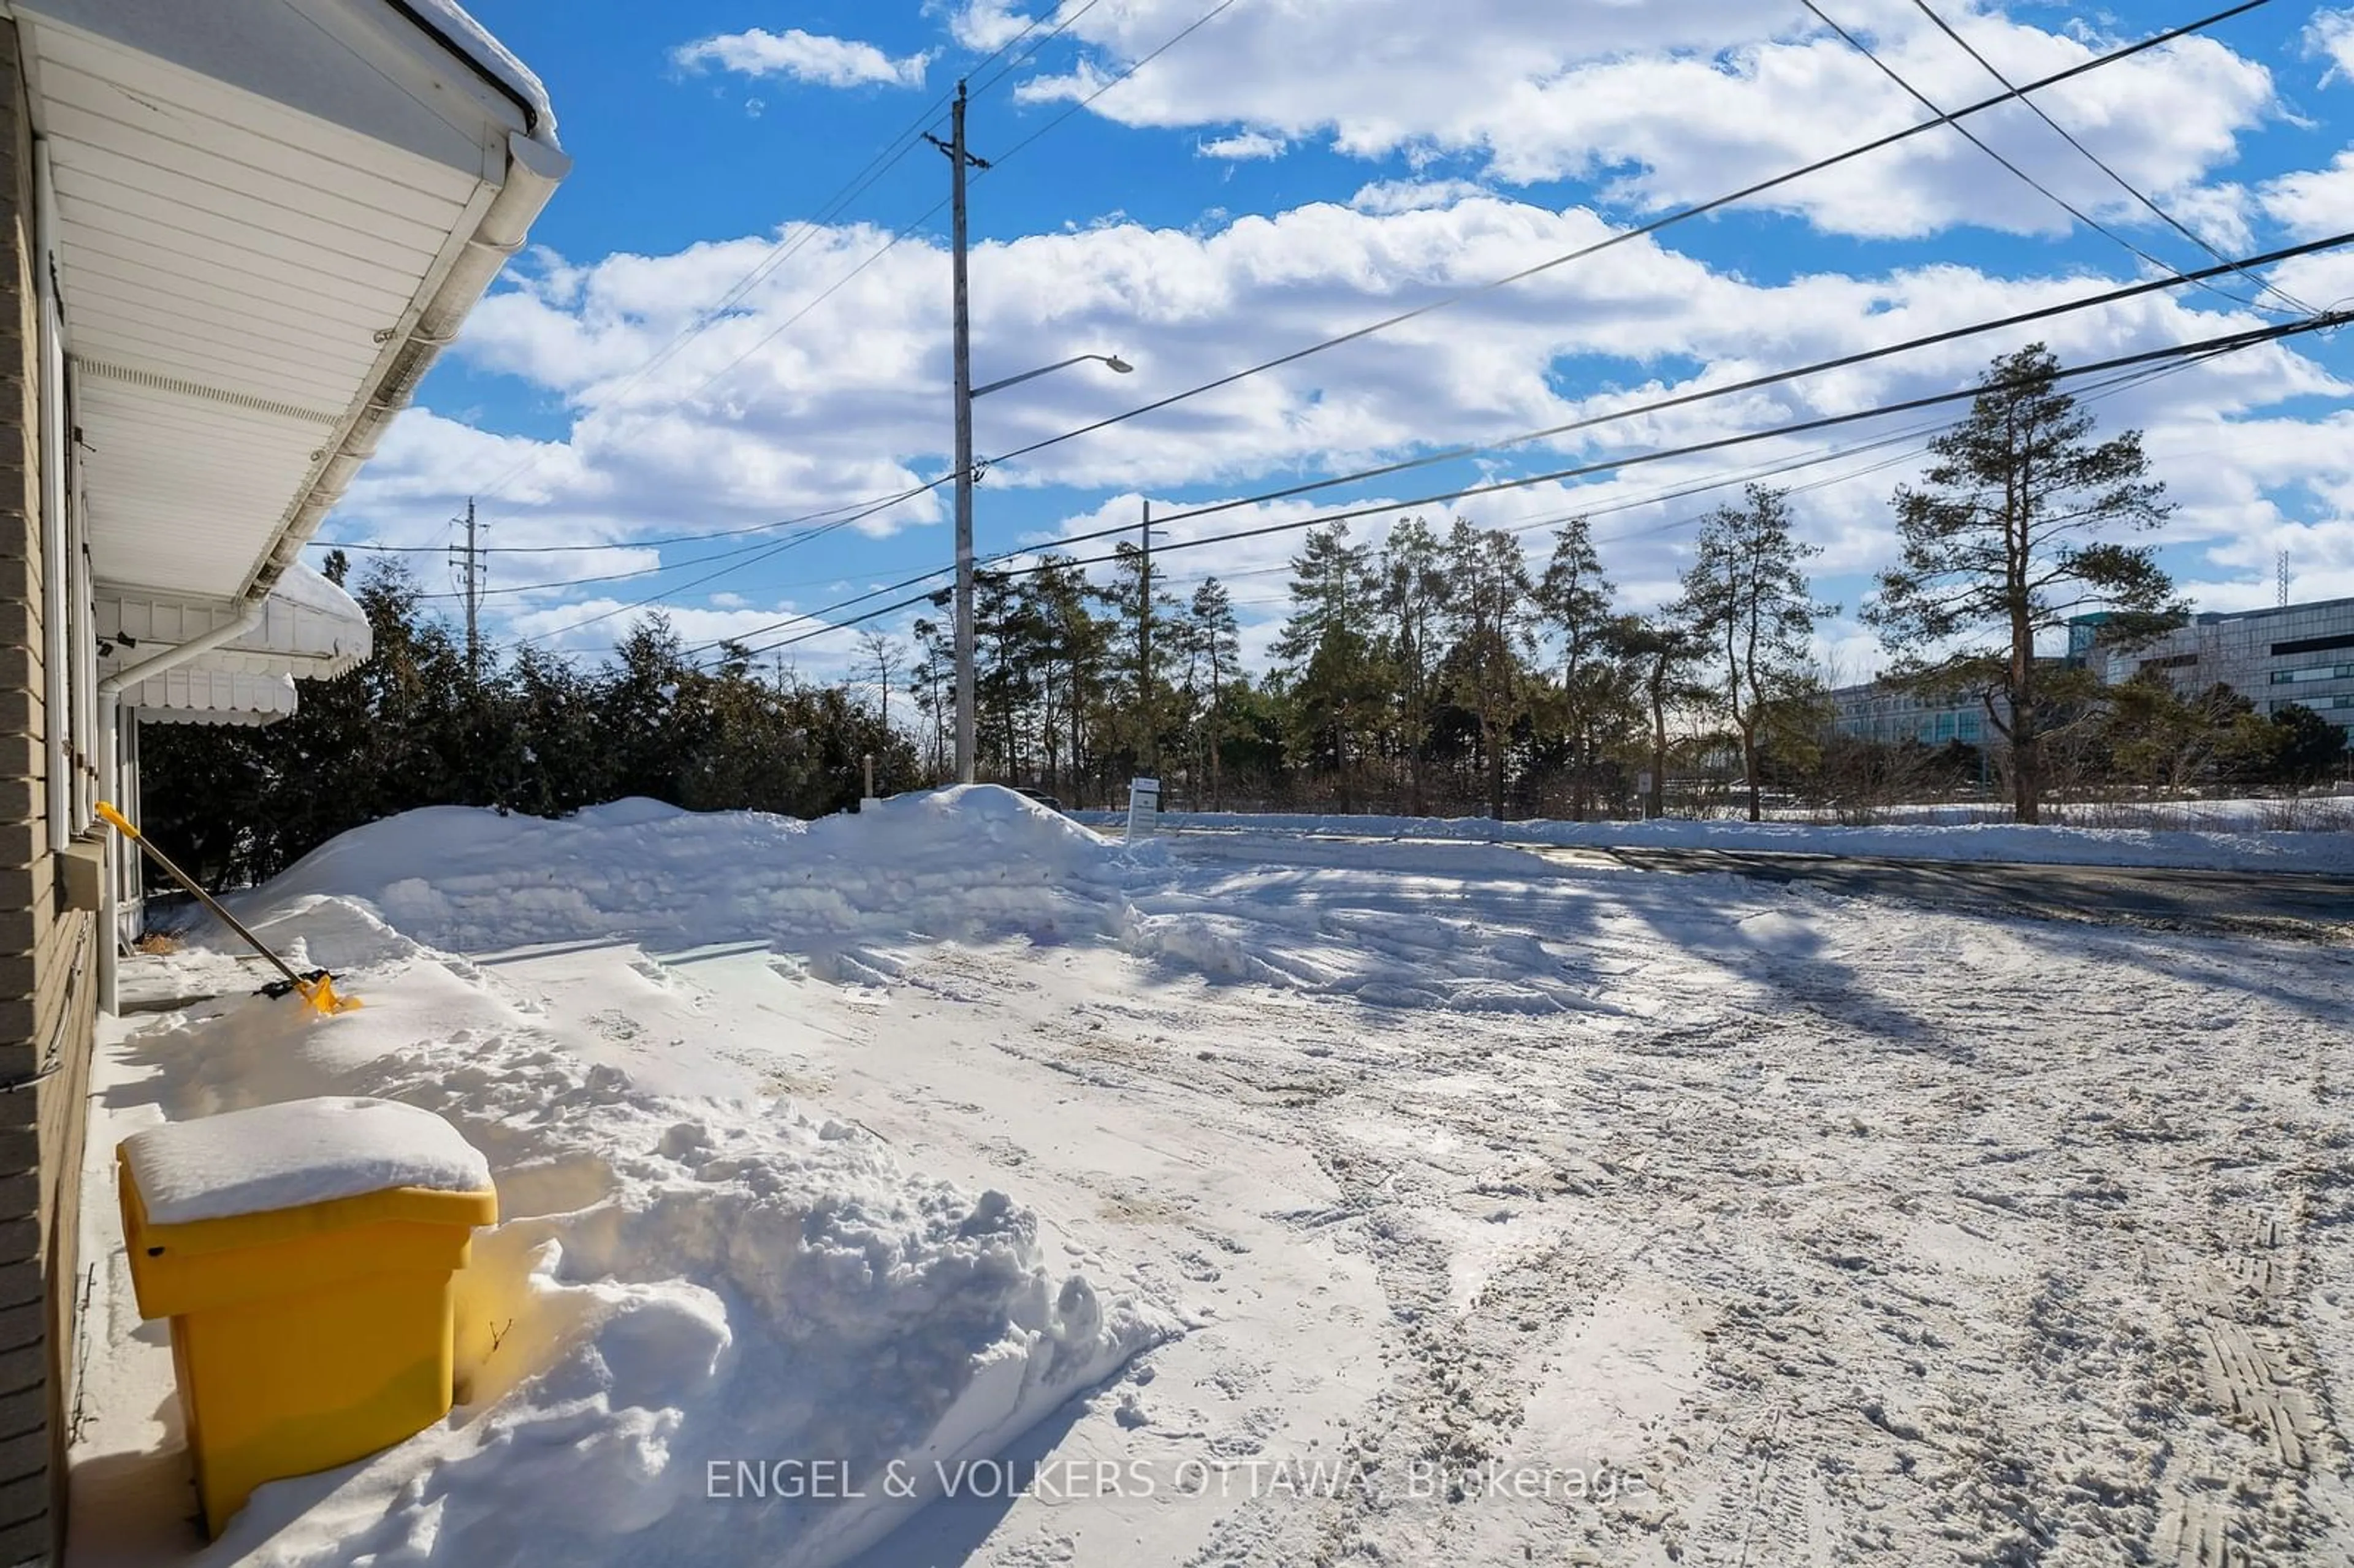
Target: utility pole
pixel 966 683
pixel 1145 746
pixel 470 569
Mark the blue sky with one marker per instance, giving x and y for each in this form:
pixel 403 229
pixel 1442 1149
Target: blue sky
pixel 1287 173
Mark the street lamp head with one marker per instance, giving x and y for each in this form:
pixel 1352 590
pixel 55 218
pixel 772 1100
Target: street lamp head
pixel 1117 363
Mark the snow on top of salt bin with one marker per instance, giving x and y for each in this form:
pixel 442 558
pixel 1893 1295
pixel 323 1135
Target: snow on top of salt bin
pixel 296 1152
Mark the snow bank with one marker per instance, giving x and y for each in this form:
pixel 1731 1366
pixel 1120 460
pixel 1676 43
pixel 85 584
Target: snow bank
pixel 681 1287
pixel 2220 850
pixel 302 1151
pixel 977 863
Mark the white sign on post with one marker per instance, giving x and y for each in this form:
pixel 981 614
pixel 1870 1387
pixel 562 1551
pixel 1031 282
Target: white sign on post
pixel 1143 806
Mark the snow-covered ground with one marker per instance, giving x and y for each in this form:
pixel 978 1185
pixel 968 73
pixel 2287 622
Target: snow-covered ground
pixel 2227 842
pixel 1423 1203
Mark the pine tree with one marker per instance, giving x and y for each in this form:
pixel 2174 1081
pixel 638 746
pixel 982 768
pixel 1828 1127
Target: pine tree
pixel 1006 635
pixel 884 659
pixel 1664 658
pixel 1213 638
pixel 1746 595
pixel 1140 661
pixel 648 713
pixel 1413 590
pixel 2003 543
pixel 1076 643
pixel 932 684
pixel 1575 598
pixel 563 758
pixel 1327 650
pixel 2306 748
pixel 1488 609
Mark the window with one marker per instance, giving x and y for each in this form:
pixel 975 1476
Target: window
pixel 1968 727
pixel 2313 645
pixel 2171 662
pixel 2313 672
pixel 2344 700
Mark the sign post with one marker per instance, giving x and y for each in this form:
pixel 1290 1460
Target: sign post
pixel 1143 807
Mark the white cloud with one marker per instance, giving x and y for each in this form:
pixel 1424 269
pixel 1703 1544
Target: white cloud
pixel 1677 103
pixel 2330 35
pixel 1405 195
pixel 809 57
pixel 849 400
pixel 2314 203
pixel 1244 147
pixel 2219 214
pixel 986 25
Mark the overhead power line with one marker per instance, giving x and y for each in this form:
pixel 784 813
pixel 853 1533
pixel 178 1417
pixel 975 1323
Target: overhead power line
pixel 1667 220
pixel 2205 348
pixel 1212 15
pixel 1754 383
pixel 1684 400
pixel 1720 482
pixel 1741 476
pixel 1941 118
pixel 798 236
pixel 2065 204
pixel 2230 341
pixel 1454 454
pixel 1656 406
pixel 2097 162
pixel 910 137
pixel 761 551
pixel 764 553
pixel 933 211
pixel 1907 440
pixel 700 537
pixel 1063 24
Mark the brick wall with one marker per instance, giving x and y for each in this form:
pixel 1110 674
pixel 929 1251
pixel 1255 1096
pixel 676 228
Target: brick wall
pixel 47 1009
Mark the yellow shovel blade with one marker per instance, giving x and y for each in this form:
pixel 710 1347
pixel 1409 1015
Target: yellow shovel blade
pixel 321 994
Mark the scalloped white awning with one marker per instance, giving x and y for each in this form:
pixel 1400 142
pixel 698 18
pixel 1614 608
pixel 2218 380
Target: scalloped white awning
pixel 195 694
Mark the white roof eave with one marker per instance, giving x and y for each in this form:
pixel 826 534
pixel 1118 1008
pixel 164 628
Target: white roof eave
pixel 257 266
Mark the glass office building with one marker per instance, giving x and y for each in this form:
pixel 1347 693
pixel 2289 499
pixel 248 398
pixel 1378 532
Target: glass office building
pixel 2300 654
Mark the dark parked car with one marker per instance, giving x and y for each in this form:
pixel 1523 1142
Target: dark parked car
pixel 1041 797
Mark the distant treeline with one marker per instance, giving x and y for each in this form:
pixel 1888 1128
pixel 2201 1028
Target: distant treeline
pixel 528 732
pixel 1441 672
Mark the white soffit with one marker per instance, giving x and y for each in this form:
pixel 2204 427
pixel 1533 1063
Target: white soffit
pixel 255 199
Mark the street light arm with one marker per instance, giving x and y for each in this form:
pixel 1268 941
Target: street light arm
pixel 1112 359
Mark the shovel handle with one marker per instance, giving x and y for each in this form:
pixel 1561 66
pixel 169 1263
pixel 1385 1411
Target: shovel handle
pixel 122 825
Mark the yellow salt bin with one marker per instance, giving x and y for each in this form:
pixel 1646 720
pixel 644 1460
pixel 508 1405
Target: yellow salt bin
pixel 309 1334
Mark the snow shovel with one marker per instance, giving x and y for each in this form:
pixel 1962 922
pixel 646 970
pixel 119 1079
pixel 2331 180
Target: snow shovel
pixel 317 987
